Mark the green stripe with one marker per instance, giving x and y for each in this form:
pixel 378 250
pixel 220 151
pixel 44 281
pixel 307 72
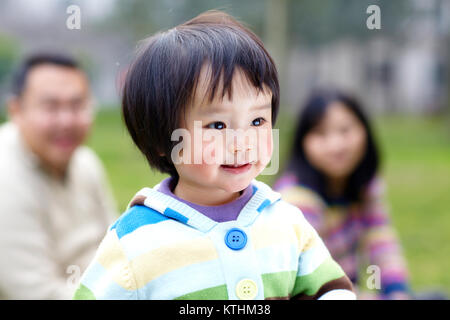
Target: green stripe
pixel 309 284
pixel 278 284
pixel 214 293
pixel 83 293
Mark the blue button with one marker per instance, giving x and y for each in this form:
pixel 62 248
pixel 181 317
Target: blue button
pixel 235 239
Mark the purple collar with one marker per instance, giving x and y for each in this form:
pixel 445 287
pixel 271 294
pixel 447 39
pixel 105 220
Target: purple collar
pixel 222 213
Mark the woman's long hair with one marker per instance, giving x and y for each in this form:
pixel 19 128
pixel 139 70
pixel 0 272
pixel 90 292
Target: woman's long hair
pixel 313 111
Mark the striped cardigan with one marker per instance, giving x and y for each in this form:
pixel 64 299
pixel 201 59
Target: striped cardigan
pixel 161 248
pixel 356 234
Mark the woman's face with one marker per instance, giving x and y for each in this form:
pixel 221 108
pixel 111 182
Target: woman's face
pixel 336 145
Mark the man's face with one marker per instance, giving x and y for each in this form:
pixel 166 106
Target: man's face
pixel 54 113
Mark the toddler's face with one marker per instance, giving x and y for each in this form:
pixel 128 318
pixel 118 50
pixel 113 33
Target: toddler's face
pixel 230 139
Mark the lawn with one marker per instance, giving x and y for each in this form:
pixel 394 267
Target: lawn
pixel 417 170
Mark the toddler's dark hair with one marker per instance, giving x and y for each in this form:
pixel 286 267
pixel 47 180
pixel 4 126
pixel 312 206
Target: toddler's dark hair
pixel 162 80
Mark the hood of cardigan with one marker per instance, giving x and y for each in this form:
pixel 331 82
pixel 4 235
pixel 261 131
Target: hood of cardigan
pixel 263 196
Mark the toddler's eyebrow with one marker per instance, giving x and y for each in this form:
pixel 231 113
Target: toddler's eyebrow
pixel 262 107
pixel 221 109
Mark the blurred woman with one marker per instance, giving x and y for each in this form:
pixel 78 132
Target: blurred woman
pixel 332 176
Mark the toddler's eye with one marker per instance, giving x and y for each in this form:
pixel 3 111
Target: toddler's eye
pixel 216 125
pixel 258 122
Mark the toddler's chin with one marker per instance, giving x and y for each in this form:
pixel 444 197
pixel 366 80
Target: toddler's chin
pixel 237 186
pixel 237 182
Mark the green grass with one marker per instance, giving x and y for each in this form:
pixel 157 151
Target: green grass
pixel 416 154
pixel 417 171
pixel 127 168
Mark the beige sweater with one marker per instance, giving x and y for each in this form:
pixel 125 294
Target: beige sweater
pixel 49 229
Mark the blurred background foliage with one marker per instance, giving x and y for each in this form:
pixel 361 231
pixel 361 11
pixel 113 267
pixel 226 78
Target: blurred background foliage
pixel 9 51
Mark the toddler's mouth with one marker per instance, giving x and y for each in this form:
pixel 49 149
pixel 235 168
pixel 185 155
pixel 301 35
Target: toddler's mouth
pixel 236 168
pixel 234 165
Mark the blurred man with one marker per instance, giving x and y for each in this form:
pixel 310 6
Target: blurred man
pixel 54 200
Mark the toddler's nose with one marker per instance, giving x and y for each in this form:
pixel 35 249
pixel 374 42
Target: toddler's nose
pixel 239 146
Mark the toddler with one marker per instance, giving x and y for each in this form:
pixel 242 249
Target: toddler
pixel 199 101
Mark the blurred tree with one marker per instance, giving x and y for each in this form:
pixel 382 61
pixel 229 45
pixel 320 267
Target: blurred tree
pixel 9 50
pixel 313 23
pixel 276 35
pixel 140 18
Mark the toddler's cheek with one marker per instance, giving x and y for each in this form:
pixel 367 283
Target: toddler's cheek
pixel 205 173
pixel 211 155
pixel 265 147
pixel 201 170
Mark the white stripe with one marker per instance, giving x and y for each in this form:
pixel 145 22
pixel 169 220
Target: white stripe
pixel 338 294
pixel 310 260
pixel 248 213
pixel 155 204
pixel 269 192
pixel 278 258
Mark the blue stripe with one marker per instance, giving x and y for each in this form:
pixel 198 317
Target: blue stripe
pixel 175 215
pixel 263 205
pixel 137 216
pixel 396 286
